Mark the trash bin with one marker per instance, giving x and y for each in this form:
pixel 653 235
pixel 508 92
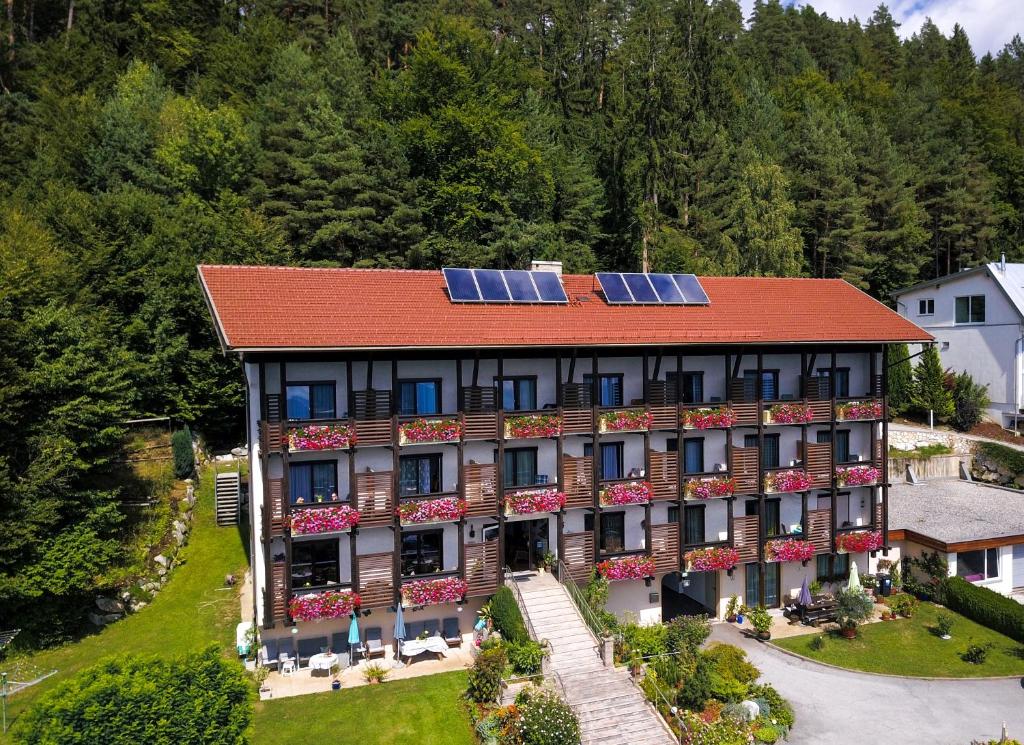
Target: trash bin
pixel 884 584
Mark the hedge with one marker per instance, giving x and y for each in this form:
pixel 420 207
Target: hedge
pixel 184 457
pixel 986 607
pixel 506 616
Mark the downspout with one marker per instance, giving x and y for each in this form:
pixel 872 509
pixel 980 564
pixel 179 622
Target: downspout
pixel 1018 370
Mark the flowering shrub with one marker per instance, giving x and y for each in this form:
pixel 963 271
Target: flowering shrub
pixel 433 591
pixel 859 541
pixel 859 410
pixel 708 418
pixel 321 437
pixel 789 414
pixel 628 567
pixel 540 717
pixel 788 549
pixel 440 510
pixel 709 488
pixel 320 605
pixel 535 500
pixel 711 559
pixel 626 421
pixel 430 430
pixel 627 492
pixel 323 520
pixel 784 481
pixel 533 425
pixel 858 475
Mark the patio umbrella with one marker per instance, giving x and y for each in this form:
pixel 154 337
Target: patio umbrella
pixel 805 593
pixel 399 634
pixel 353 637
pixel 854 582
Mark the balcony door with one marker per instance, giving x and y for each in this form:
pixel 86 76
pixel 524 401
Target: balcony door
pixel 526 542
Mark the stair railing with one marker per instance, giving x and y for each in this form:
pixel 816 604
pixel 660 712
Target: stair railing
pixel 587 613
pixel 510 580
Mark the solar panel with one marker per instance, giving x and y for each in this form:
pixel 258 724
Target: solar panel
pixel 632 288
pixel 549 286
pixel 503 286
pixel 614 288
pixel 521 286
pixel 666 288
pixel 461 285
pixel 691 289
pixel 492 285
pixel 640 287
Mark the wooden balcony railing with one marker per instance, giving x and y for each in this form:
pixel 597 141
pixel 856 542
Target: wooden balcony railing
pixel 479 399
pixel 579 481
pixel 745 536
pixel 664 476
pixel 817 462
pixel 481 490
pixel 878 515
pixel 279 591
pixel 373 431
pixel 376 579
pixel 272 437
pixel 744 469
pixel 481 568
pixel 819 529
pixel 665 547
pixel 664 416
pixel 275 505
pixel 576 396
pixel 480 425
pixel 579 554
pixel 822 411
pixel 577 421
pixel 375 498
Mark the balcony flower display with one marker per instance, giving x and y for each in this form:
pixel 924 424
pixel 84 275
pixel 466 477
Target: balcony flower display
pixel 859 410
pixel 717 558
pixel 445 509
pixel 709 488
pixel 788 549
pixel 626 492
pixel 789 414
pixel 786 481
pixel 533 425
pixel 534 500
pixel 430 430
pixel 321 605
pixel 859 541
pixel 323 520
pixel 627 420
pixel 628 567
pixel 709 418
pixel 433 591
pixel 858 475
pixel 321 437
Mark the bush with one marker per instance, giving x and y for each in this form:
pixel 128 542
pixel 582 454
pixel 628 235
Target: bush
pixel 766 734
pixel 943 624
pixel 903 604
pixel 645 641
pixel 687 633
pixel 975 654
pixel 506 616
pixel 544 719
pixel 986 607
pixel 184 457
pixel 1010 459
pixel 525 657
pixel 772 705
pixel 196 698
pixel 818 643
pixel 697 688
pixel 969 401
pixel 855 607
pixel 731 662
pixel 485 675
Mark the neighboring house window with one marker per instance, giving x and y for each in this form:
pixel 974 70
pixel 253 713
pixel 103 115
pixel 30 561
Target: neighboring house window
pixel 419 397
pixel 692 386
pixel 419 474
pixel 519 393
pixel 422 552
pixel 315 563
pixel 926 307
pixel 520 467
pixel 609 389
pixel 693 455
pixel 611 466
pixel 695 524
pixel 975 566
pixel 842 381
pixel 313 482
pixel 770 451
pixel 613 532
pixel 970 309
pixel 310 400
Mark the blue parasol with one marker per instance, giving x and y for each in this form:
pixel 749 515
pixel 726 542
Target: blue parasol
pixel 353 636
pixel 805 593
pixel 399 634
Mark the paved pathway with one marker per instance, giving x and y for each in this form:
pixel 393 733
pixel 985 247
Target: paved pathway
pixel 840 707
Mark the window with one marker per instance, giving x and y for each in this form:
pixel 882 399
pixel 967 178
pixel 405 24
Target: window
pixel 752 584
pixel 975 566
pixel 842 443
pixel 693 455
pixel 772 519
pixel 310 400
pixel 609 388
pixel 419 474
pixel 520 467
pixel 519 393
pixel 926 307
pixel 611 466
pixel 769 385
pixel 313 482
pixel 419 397
pixel 314 563
pixel 832 568
pixel 422 552
pixel 695 524
pixel 692 386
pixel 673 513
pixel 769 452
pixel 613 532
pixel 970 309
pixel 842 382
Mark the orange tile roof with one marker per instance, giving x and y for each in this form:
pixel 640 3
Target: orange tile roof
pixel 263 307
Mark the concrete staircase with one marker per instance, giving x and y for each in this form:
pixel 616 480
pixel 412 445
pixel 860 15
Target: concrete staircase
pixel 227 492
pixel 610 708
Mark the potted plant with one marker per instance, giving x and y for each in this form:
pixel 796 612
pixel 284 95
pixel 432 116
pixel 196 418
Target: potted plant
pixel 259 674
pixel 855 607
pixel 375 674
pixel 636 663
pixel 943 625
pixel 335 684
pixel 761 620
pixel 732 608
pixel 743 611
pixel 815 588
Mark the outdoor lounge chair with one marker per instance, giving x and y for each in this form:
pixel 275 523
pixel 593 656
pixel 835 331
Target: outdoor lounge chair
pixel 413 629
pixel 339 645
pixel 268 653
pixel 310 647
pixel 374 647
pixel 452 634
pixel 432 627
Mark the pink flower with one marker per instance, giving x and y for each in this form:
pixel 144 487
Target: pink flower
pixel 533 425
pixel 536 500
pixel 430 430
pixel 786 481
pixel 790 414
pixel 626 421
pixel 321 437
pixel 433 591
pixel 319 605
pixel 859 410
pixel 628 567
pixel 710 488
pixel 788 549
pixel 859 541
pixel 711 559
pixel 858 475
pixel 709 418
pixel 323 520
pixel 627 492
pixel 445 509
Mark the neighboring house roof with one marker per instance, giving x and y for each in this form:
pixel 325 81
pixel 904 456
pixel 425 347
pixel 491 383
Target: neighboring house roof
pixel 955 515
pixel 1009 279
pixel 268 308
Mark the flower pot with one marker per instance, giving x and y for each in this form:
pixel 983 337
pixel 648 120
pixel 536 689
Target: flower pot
pixel 335 685
pixel 764 635
pixel 731 619
pixel 739 618
pixel 946 637
pixel 849 632
pixel 374 682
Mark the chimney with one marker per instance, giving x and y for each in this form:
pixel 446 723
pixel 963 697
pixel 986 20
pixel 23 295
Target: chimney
pixel 546 266
pixel 1002 262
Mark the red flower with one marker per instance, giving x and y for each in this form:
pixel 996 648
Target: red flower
pixel 626 421
pixel 788 549
pixel 709 418
pixel 433 591
pixel 430 430
pixel 445 509
pixel 857 542
pixel 533 425
pixel 628 567
pixel 535 500
pixel 711 559
pixel 320 605
pixel 631 492
pixel 710 488
pixel 323 520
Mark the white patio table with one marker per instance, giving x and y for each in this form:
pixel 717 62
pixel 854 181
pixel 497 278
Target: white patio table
pixel 322 661
pixel 434 644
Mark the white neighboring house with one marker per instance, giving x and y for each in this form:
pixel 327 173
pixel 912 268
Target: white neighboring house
pixel 977 319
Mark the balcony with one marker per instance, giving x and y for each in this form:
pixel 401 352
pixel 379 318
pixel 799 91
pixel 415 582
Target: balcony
pixel 745 464
pixel 376 584
pixel 318 520
pixel 787 480
pixel 621 492
pixel 320 436
pixel 817 460
pixel 627 565
pixel 438 508
pixel 375 498
pixel 709 486
pixel 664 475
pixel 482 568
pixel 665 547
pixel 624 420
pixel 481 489
pixel 578 554
pixel 534 500
pixel 745 537
pixel 704 417
pixel 858 475
pixel 579 480
pixel 859 410
pixel 532 425
pixel 429 430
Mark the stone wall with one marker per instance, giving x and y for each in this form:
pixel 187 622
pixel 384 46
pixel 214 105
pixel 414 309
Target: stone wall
pixel 991 472
pixel 904 440
pixel 935 467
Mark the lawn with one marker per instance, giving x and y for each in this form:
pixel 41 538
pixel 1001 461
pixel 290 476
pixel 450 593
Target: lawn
pixel 910 646
pixel 193 610
pixel 415 711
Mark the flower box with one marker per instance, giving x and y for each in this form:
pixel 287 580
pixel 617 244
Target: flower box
pixel 433 591
pixel 854 410
pixel 323 520
pixel 530 501
pixel 858 475
pixel 788 549
pixel 626 492
pixel 443 510
pixel 628 567
pixel 859 541
pixel 789 414
pixel 321 437
pixel 787 481
pixel 710 418
pixel 718 558
pixel 318 606
pixel 709 488
pixel 532 425
pixel 429 430
pixel 627 420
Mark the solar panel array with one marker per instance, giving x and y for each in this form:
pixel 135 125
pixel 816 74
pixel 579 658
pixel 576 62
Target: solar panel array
pixel 651 289
pixel 503 286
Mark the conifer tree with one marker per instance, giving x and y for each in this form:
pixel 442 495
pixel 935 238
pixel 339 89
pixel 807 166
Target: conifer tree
pixel 900 379
pixel 761 224
pixel 930 392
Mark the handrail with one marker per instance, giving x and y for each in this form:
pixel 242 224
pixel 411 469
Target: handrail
pixel 672 710
pixel 589 618
pixel 521 604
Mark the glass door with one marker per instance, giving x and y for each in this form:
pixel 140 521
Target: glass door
pixel 772 574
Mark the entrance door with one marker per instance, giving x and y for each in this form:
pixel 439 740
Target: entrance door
pixel 1018 565
pixel 526 542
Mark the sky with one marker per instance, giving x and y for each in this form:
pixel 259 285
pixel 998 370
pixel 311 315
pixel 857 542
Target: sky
pixel 989 23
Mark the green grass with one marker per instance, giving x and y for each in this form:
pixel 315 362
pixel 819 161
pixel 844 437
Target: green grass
pixel 415 711
pixel 936 448
pixel 909 646
pixel 193 610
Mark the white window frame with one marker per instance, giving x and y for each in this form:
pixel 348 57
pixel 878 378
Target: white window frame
pixel 985 553
pixel 926 302
pixel 970 302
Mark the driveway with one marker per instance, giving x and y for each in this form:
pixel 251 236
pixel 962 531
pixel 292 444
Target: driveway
pixel 839 707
